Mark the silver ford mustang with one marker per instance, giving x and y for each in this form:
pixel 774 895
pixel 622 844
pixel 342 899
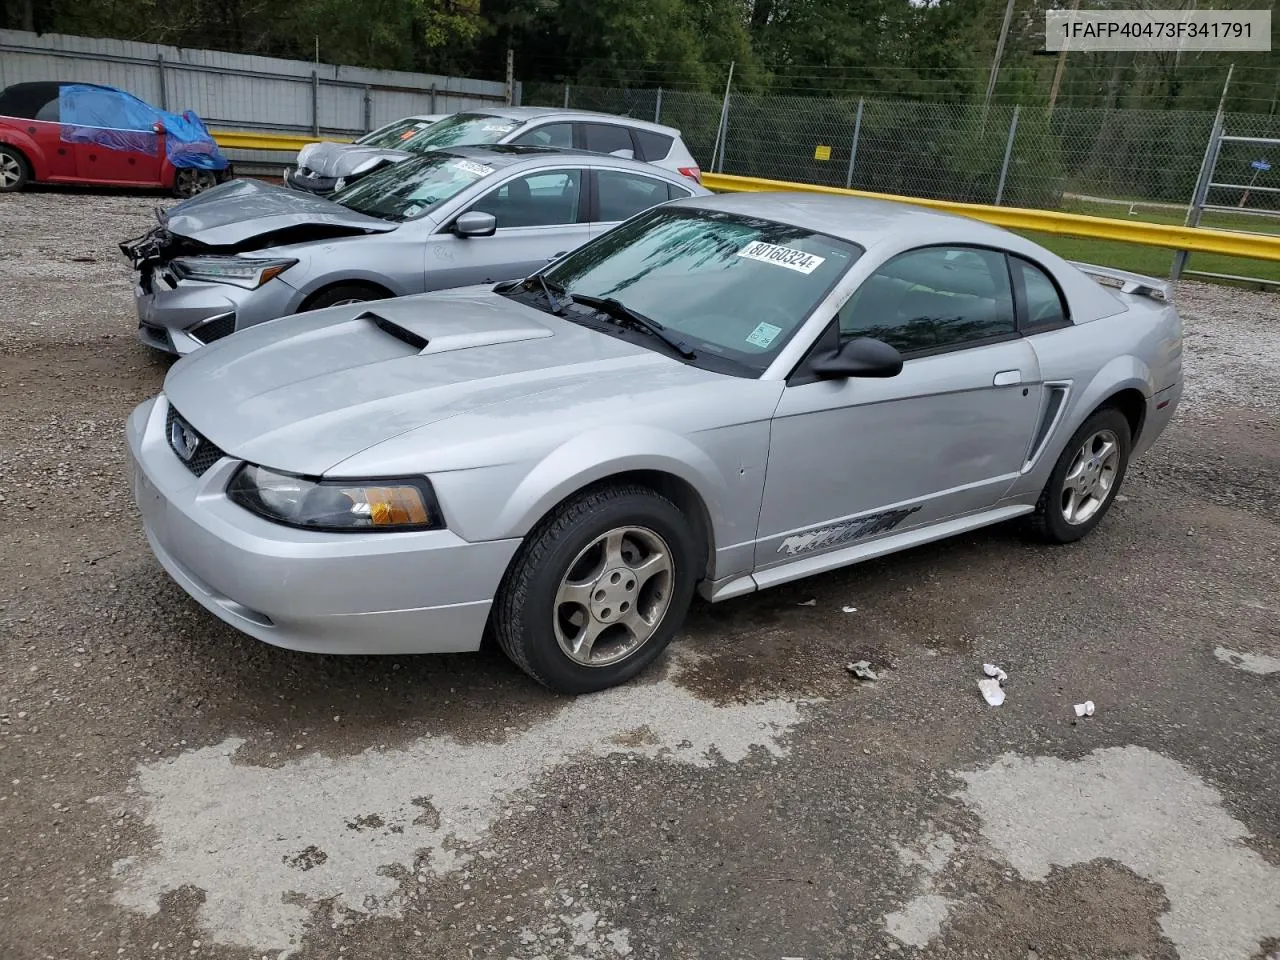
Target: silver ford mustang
pixel 722 394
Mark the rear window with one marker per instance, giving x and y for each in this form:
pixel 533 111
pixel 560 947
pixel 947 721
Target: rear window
pixel 653 146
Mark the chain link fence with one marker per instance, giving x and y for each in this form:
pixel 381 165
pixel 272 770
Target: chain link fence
pixel 998 154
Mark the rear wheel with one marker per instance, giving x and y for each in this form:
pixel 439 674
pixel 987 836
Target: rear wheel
pixel 598 589
pixel 1085 479
pixel 14 170
pixel 188 182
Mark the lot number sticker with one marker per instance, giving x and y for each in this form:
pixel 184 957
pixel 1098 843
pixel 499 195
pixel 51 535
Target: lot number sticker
pixel 473 168
pixel 788 257
pixel 763 335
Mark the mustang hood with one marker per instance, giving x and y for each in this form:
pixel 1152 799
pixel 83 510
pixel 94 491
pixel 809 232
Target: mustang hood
pixel 306 392
pixel 327 159
pixel 241 210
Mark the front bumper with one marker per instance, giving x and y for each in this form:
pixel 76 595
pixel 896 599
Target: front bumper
pixel 386 593
pixel 309 182
pixel 179 316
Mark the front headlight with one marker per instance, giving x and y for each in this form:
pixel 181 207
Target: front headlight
pixel 336 505
pixel 238 271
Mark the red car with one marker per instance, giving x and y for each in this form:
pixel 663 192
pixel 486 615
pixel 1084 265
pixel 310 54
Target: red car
pixel 78 133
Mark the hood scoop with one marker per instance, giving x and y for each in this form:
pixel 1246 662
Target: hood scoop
pixel 403 334
pixel 444 331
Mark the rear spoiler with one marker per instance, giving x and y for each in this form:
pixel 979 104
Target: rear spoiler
pixel 1132 283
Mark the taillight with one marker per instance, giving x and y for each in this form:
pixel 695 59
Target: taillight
pixel 693 173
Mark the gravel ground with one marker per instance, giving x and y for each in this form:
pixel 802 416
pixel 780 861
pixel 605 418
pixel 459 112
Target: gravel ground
pixel 170 788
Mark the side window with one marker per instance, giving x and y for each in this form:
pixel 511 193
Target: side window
pixel 548 135
pixel 49 112
pixel 677 193
pixel 623 195
pixel 607 138
pixel 535 200
pixel 1043 302
pixel 653 146
pixel 932 299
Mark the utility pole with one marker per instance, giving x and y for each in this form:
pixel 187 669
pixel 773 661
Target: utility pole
pixel 995 65
pixel 1062 66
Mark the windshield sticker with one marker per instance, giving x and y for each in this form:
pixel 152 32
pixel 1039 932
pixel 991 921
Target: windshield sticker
pixel 412 211
pixel 473 168
pixel 763 335
pixel 499 127
pixel 788 257
pixel 408 134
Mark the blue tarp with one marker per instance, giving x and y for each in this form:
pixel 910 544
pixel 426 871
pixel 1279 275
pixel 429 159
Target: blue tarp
pixel 117 120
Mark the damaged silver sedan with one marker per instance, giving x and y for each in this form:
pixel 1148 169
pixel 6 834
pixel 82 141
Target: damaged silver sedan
pixel 247 252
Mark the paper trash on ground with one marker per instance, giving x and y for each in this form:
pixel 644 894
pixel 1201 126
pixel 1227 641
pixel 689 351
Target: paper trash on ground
pixel 862 670
pixel 1085 709
pixel 991 691
pixel 991 670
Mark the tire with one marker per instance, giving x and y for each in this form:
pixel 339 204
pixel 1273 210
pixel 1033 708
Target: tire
pixel 188 182
pixel 15 172
pixel 343 294
pixel 577 583
pixel 1067 510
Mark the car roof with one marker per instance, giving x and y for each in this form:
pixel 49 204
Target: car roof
pixel 500 155
pixel 540 113
pixel 862 220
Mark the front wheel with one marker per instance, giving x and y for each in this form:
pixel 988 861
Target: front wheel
pixel 1085 479
pixel 598 589
pixel 14 172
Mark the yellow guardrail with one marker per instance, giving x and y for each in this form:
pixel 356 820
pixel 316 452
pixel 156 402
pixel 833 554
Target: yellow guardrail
pixel 243 140
pixel 1194 239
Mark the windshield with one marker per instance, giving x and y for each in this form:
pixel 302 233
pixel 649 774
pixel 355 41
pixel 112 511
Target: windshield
pixel 405 190
pixel 734 288
pixel 460 130
pixel 395 134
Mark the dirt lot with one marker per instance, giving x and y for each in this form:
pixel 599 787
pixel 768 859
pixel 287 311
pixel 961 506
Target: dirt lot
pixel 171 788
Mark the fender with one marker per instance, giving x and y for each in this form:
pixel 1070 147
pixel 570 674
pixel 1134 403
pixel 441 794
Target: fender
pixel 1122 373
pixel 605 453
pixel 30 149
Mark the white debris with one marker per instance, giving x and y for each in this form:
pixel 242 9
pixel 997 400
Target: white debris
pixel 991 670
pixel 992 692
pixel 849 609
pixel 862 670
pixel 811 602
pixel 1084 709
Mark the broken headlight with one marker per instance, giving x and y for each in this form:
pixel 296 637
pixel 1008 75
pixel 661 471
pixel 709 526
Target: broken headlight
pixel 238 271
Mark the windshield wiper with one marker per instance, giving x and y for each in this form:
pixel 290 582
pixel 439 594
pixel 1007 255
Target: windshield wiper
pixel 620 311
pixel 549 289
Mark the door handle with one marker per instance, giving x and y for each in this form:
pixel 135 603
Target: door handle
pixel 1007 378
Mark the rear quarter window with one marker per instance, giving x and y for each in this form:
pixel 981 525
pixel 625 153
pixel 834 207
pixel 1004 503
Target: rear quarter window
pixel 653 146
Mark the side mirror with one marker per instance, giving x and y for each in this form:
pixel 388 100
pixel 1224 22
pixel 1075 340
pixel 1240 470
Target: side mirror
pixel 475 224
pixel 157 128
pixel 861 357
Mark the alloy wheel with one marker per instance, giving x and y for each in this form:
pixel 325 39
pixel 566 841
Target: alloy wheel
pixel 1091 477
pixel 10 170
pixel 614 596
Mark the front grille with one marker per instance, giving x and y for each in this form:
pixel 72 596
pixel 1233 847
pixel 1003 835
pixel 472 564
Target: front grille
pixel 215 329
pixel 198 459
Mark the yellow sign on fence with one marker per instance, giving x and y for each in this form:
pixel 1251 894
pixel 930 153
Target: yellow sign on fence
pixel 821 153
